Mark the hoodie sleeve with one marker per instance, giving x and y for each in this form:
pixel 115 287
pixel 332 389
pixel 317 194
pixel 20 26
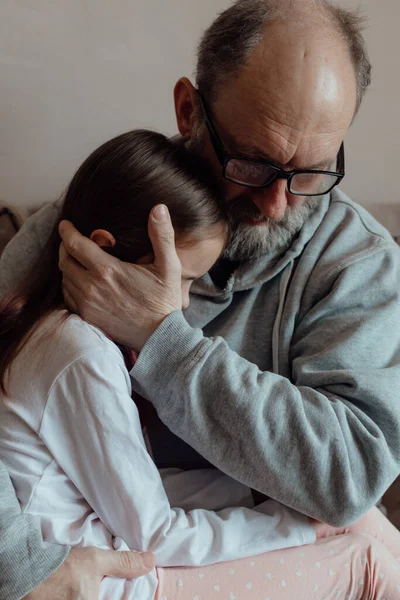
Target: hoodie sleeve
pixel 25 559
pixel 325 442
pixel 24 249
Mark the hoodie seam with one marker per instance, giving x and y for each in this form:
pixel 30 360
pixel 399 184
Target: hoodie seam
pixel 360 216
pixel 367 253
pixel 84 356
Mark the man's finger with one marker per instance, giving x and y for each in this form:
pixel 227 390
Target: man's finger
pixel 162 237
pixel 71 268
pixel 68 293
pixel 86 252
pixel 62 255
pixel 124 565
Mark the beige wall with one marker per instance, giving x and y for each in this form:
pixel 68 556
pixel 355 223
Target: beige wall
pixel 76 72
pixel 373 142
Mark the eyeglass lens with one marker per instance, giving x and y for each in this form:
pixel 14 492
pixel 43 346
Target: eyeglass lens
pixel 256 174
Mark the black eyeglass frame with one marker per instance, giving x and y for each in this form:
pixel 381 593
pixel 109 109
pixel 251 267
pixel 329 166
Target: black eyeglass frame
pixel 224 158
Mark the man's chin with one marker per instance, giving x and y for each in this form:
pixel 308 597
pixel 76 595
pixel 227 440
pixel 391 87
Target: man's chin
pixel 251 241
pixel 254 235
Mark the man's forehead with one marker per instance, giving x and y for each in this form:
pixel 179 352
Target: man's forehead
pixel 251 129
pixel 325 158
pixel 289 117
pixel 322 156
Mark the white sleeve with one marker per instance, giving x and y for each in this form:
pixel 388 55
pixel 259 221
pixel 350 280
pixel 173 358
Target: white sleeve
pixel 91 426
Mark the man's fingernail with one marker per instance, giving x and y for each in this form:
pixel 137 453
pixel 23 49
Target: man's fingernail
pixel 148 559
pixel 160 213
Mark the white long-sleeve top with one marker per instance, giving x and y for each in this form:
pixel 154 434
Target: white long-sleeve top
pixel 71 439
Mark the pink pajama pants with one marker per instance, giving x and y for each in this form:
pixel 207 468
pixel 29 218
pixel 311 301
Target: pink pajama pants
pixel 353 563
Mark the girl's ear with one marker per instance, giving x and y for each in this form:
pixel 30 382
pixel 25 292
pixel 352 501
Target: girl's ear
pixel 103 238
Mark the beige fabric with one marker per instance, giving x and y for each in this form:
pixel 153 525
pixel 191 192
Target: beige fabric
pixel 11 219
pixel 8 228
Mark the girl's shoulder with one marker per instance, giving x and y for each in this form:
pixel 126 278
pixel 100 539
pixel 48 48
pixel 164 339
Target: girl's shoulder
pixel 75 335
pixel 63 353
pixel 60 341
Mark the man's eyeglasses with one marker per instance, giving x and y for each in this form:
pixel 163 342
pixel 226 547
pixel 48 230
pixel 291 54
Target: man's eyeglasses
pixel 260 174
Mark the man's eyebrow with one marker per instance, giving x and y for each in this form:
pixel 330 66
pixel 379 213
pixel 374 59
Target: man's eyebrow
pixel 256 153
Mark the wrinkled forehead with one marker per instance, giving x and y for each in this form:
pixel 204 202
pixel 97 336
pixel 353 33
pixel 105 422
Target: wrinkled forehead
pixel 294 100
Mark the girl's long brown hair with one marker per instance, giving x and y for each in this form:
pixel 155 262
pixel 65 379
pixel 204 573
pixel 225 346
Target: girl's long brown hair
pixel 115 189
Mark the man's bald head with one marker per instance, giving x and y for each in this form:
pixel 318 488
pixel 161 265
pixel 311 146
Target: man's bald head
pixel 238 33
pixel 283 80
pixel 298 85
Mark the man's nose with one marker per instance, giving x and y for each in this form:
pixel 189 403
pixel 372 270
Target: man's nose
pixel 272 201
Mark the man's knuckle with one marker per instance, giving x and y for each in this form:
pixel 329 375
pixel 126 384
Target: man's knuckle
pixel 104 272
pixel 90 292
pixel 74 591
pixel 130 561
pixel 63 262
pixel 71 245
pixel 167 237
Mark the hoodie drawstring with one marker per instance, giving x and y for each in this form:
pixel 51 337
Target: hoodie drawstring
pixel 283 287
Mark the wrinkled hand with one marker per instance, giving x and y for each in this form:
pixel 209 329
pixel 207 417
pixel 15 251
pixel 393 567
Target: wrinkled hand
pixel 128 302
pixel 79 577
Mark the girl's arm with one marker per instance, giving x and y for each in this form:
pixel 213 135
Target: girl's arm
pixel 91 426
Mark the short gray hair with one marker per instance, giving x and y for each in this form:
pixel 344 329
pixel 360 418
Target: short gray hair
pixel 230 40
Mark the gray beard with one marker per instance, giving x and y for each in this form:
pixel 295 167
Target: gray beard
pixel 248 242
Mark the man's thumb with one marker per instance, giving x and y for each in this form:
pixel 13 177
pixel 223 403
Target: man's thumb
pixel 125 565
pixel 162 236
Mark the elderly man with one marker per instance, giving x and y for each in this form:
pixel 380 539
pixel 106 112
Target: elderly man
pixel 284 372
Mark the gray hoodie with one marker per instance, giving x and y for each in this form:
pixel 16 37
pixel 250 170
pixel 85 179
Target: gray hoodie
pixel 288 379
pixel 25 559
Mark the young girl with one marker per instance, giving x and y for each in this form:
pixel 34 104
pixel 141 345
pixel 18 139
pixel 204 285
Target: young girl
pixel 70 434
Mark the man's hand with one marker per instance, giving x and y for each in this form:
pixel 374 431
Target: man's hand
pixel 128 302
pixel 79 577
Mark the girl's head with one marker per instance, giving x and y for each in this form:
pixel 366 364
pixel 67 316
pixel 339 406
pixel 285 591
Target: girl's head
pixel 111 196
pixel 110 199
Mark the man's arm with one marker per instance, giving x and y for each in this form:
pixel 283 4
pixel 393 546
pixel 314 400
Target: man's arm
pixel 44 571
pixel 326 442
pixel 25 560
pixel 24 249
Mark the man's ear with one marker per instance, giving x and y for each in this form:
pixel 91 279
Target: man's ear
pixel 103 238
pixel 186 100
